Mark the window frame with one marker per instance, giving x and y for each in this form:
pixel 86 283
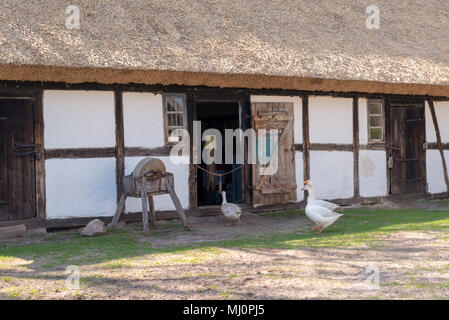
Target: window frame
pixel 165 98
pixel 382 115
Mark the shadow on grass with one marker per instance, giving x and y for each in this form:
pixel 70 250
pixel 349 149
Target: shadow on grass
pixel 357 227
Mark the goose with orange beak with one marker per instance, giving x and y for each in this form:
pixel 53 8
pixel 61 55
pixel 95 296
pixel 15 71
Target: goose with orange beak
pixel 322 216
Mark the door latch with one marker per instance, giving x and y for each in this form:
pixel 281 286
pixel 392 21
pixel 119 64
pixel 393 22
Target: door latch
pixel 20 146
pixel 37 154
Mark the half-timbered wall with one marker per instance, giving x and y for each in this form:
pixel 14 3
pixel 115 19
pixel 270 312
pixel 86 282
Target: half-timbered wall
pixel 435 177
pixel 372 163
pixel 144 128
pixel 330 123
pixel 85 120
pixel 80 124
pixel 79 187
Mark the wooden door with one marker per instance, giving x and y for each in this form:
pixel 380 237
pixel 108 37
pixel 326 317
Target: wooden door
pixel 407 154
pixel 280 186
pixel 17 160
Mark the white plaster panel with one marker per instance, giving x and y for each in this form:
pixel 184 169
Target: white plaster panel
pixel 79 119
pixel 430 129
pixel 330 120
pixel 332 173
pixel 80 187
pixel 299 163
pixel 435 175
pixel 163 202
pixel 363 121
pixel 143 119
pixel 297 110
pixel 372 173
pixel 442 112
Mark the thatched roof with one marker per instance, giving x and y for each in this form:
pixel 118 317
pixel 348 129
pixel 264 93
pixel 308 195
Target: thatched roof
pixel 321 39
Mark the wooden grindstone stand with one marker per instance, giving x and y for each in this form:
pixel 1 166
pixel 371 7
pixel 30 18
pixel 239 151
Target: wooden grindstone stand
pixel 149 179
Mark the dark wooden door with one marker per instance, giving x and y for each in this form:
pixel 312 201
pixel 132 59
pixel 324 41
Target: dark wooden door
pixel 17 157
pixel 279 187
pixel 407 154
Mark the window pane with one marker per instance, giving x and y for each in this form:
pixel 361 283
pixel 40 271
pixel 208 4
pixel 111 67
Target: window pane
pixel 375 134
pixel 179 117
pixel 171 105
pixel 375 108
pixel 171 119
pixel 375 121
pixel 179 103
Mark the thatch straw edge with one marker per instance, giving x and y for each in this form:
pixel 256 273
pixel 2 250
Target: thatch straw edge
pixel 252 81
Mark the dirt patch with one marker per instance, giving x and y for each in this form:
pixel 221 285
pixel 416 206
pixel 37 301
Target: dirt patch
pixel 407 264
pixel 168 233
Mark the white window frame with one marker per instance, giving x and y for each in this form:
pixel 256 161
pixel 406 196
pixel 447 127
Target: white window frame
pixel 167 127
pixel 382 115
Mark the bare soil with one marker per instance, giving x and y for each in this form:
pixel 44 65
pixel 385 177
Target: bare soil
pixel 409 265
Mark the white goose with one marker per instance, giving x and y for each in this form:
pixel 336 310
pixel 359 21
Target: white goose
pixel 231 211
pixel 322 203
pixel 321 216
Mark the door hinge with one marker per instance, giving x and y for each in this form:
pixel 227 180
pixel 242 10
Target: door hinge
pixel 424 146
pixel 390 162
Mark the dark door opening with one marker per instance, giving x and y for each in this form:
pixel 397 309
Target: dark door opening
pixel 406 150
pixel 219 116
pixel 17 160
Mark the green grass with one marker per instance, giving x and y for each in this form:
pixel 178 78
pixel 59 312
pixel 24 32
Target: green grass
pixel 356 228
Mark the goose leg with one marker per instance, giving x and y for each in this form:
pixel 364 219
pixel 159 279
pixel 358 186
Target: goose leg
pixel 315 228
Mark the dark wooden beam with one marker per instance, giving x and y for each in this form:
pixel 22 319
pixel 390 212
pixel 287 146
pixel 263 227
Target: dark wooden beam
pixel 80 153
pixel 355 142
pixel 193 172
pixel 305 138
pixel 330 147
pixel 148 152
pixel 388 141
pixel 439 143
pixel 373 146
pixel 7 86
pixel 119 142
pixel 434 146
pixel 39 163
pixel 349 147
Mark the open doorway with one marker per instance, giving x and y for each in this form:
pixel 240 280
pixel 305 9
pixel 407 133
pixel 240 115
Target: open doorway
pixel 219 116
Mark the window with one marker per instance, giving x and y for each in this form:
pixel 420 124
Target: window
pixel 175 116
pixel 375 121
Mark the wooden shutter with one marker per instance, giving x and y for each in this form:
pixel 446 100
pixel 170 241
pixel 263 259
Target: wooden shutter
pixel 281 186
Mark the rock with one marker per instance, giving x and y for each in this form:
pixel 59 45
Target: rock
pixel 94 228
pixel 13 231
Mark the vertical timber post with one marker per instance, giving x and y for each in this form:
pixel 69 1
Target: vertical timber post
pixel 305 137
pixel 119 143
pixel 355 143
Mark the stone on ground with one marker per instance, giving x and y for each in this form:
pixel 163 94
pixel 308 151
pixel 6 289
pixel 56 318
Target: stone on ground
pixel 93 228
